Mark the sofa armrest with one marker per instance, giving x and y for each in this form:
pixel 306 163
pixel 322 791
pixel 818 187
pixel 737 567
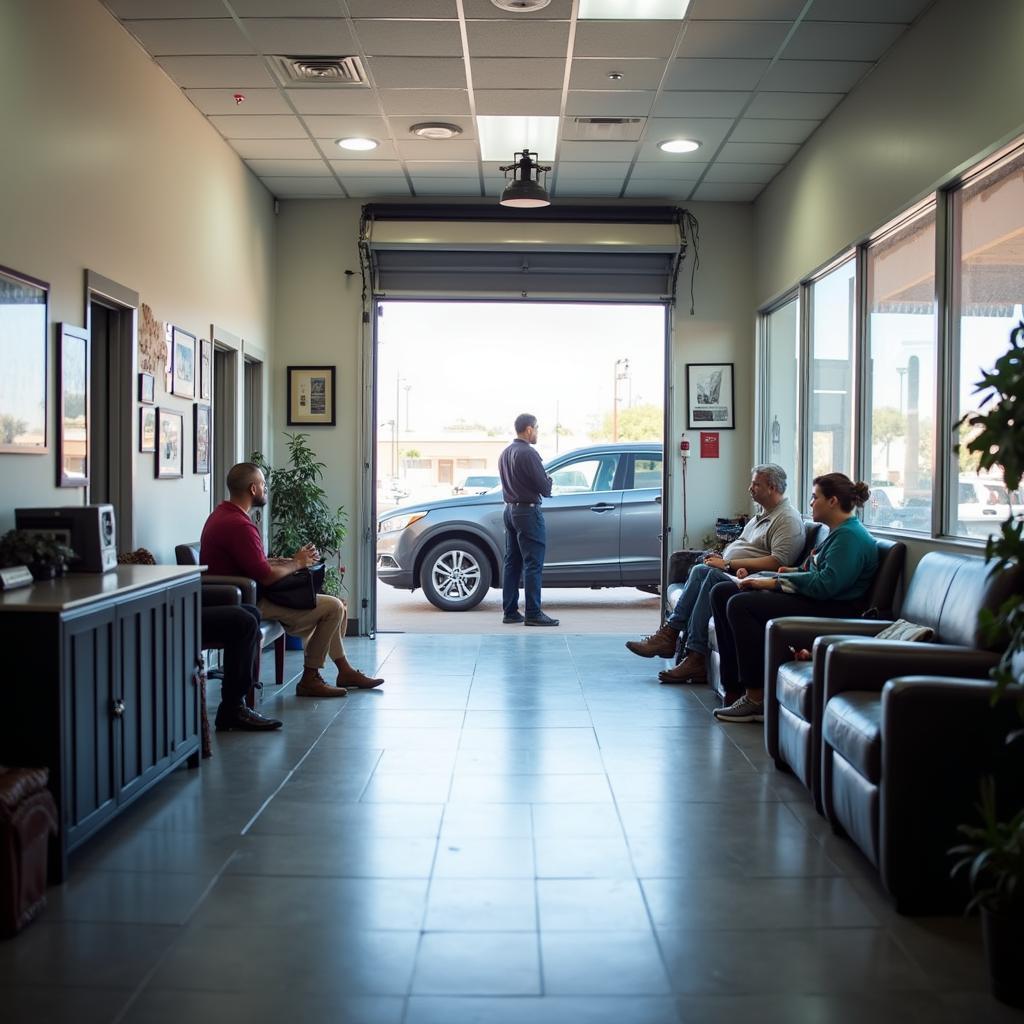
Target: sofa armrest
pixel 246 586
pixel 215 595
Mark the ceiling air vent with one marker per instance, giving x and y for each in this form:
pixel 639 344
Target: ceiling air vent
pixel 605 129
pixel 334 71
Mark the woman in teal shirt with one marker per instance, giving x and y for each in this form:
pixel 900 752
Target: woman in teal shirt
pixel 832 582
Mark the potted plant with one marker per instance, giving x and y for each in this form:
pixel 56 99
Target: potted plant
pixel 45 556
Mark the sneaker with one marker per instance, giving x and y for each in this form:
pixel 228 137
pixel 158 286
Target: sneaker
pixel 658 645
pixel 742 710
pixel 511 620
pixel 540 619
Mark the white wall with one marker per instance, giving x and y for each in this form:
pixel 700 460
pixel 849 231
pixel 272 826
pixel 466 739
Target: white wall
pixel 106 166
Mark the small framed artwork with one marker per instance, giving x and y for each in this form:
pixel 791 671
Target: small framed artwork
pixel 73 402
pixel 169 445
pixel 311 396
pixel 147 429
pixel 201 439
pixel 710 396
pixel 184 377
pixel 147 388
pixel 24 386
pixel 205 369
pixel 169 363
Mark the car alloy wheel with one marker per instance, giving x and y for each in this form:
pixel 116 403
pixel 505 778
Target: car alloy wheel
pixel 455 575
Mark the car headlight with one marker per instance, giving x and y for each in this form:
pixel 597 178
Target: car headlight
pixel 395 523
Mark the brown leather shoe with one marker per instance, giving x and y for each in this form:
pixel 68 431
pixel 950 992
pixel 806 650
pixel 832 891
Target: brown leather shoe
pixel 319 687
pixel 658 645
pixel 692 669
pixel 354 679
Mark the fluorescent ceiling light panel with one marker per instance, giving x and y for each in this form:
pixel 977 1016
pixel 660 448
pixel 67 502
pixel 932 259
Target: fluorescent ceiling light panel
pixel 501 137
pixel 633 10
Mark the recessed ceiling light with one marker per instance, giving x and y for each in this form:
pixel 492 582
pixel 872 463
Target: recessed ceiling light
pixel 519 6
pixel 436 130
pixel 358 144
pixel 638 10
pixel 678 146
pixel 614 76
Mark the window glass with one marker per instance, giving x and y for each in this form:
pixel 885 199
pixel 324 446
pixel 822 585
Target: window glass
pixel 833 306
pixel 584 475
pixel 901 343
pixel 781 361
pixel 647 471
pixel 988 290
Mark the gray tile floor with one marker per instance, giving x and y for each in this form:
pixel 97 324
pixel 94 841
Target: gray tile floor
pixel 523 827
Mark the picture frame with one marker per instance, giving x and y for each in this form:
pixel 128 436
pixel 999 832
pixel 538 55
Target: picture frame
pixel 147 428
pixel 201 439
pixel 73 406
pixel 24 349
pixel 147 389
pixel 311 396
pixel 169 362
pixel 710 396
pixel 183 380
pixel 170 448
pixel 205 370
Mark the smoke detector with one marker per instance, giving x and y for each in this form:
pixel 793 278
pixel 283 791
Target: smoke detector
pixel 520 6
pixel 436 130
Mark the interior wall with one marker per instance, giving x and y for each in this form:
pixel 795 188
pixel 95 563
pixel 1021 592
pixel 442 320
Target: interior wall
pixel 106 166
pixel 949 91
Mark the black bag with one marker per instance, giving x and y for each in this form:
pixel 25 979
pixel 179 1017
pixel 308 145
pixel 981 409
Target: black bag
pixel 297 591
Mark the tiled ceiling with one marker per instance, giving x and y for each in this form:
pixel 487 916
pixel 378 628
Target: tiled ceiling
pixel 749 79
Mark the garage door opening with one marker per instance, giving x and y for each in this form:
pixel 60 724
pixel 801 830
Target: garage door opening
pixel 450 378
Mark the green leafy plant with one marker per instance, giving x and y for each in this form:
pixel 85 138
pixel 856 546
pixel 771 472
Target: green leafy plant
pixel 299 513
pixel 37 550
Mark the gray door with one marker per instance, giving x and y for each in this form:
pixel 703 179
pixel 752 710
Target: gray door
pixel 640 538
pixel 582 518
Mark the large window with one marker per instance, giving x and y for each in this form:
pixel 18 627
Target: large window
pixel 988 300
pixel 781 361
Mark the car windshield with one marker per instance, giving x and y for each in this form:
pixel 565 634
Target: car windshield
pixel 480 481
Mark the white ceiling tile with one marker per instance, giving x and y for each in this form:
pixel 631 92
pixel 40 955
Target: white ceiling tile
pixel 758 152
pixel 165 8
pixel 306 36
pixel 715 75
pixel 814 75
pixel 323 127
pixel 285 8
pixel 521 102
pixel 222 101
pixel 557 10
pixel 794 104
pixel 274 149
pixel 510 73
pixel 665 172
pixel 420 169
pixel 599 151
pixel 364 168
pixel 605 103
pixel 400 8
pixel 302 188
pixel 700 104
pixel 189 36
pixel 325 100
pixel 755 10
pixel 447 187
pixel 772 129
pixel 750 174
pixel 217 72
pixel 288 168
pixel 381 38
pixel 375 188
pixel 868 10
pixel 590 187
pixel 417 73
pixel 437 149
pixel 733 39
pixel 833 40
pixel 658 189
pixel 255 126
pixel 593 169
pixel 385 151
pixel 625 38
pixel 637 73
pixel 435 102
pixel 717 192
pixel 518 38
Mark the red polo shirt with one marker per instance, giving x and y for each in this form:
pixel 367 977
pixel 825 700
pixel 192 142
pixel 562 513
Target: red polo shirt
pixel 231 544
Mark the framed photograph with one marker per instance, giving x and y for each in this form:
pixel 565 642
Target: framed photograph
pixel 73 402
pixel 201 439
pixel 147 429
pixel 311 396
pixel 710 396
pixel 169 445
pixel 147 389
pixel 169 361
pixel 184 377
pixel 23 354
pixel 205 369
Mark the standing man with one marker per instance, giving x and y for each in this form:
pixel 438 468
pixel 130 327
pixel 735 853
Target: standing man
pixel 523 484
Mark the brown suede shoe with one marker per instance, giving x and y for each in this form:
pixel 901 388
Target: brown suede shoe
pixel 319 687
pixel 354 679
pixel 692 669
pixel 658 645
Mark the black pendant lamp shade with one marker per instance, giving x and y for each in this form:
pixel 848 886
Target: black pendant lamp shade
pixel 524 189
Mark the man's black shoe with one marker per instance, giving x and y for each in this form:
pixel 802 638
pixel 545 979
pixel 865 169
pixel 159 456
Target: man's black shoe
pixel 543 619
pixel 244 718
pixel 515 617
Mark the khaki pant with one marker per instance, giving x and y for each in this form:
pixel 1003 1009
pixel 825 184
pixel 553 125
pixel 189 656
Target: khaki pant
pixel 321 628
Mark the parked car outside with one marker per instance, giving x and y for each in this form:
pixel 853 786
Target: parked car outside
pixel 983 505
pixel 603 523
pixel 477 483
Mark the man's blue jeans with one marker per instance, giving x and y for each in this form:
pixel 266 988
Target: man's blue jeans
pixel 692 612
pixel 525 540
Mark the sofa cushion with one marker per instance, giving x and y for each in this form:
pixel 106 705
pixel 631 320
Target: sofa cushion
pixel 853 728
pixel 794 686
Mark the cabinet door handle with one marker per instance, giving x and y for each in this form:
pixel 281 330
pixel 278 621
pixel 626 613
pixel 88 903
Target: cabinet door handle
pixel 117 707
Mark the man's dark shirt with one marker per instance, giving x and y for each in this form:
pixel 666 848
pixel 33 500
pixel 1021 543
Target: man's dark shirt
pixel 522 473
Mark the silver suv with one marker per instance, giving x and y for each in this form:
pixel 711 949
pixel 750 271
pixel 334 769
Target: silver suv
pixel 603 524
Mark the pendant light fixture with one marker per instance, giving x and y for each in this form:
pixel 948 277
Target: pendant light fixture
pixel 524 188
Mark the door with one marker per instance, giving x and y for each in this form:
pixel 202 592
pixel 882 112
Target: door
pixel 445 471
pixel 640 536
pixel 582 518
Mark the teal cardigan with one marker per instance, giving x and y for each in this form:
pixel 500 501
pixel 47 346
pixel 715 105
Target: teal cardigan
pixel 841 569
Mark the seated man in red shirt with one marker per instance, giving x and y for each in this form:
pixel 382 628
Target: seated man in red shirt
pixel 231 545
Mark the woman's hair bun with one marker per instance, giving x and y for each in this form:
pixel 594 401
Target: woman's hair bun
pixel 861 492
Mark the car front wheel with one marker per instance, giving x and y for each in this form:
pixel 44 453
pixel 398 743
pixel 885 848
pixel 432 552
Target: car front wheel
pixel 455 575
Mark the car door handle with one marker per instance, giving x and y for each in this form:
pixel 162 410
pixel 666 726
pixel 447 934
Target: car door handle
pixel 602 506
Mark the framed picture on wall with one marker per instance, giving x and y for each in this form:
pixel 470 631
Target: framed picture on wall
pixel 710 396
pixel 184 378
pixel 205 369
pixel 311 396
pixel 169 364
pixel 147 429
pixel 201 440
pixel 23 356
pixel 170 463
pixel 147 389
pixel 73 403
